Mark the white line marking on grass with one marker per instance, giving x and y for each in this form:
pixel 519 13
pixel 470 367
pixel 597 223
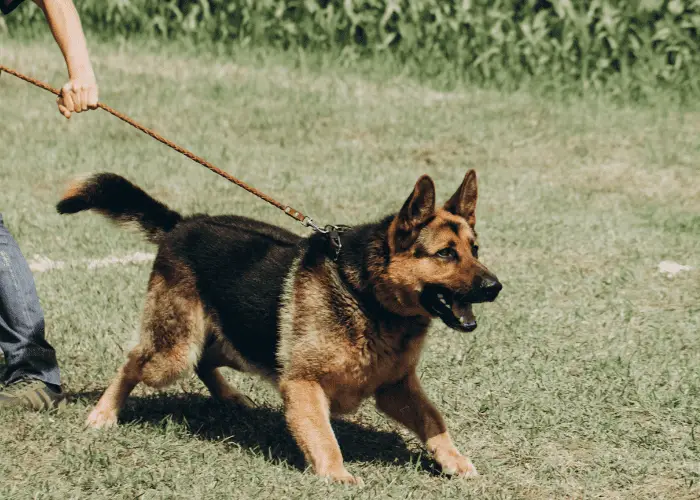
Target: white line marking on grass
pixel 42 264
pixel 670 268
pixel 134 258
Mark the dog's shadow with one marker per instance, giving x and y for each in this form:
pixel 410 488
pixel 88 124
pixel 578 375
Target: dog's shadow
pixel 263 430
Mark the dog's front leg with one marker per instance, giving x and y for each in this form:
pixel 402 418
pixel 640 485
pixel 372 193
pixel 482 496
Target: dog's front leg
pixel 308 415
pixel 406 402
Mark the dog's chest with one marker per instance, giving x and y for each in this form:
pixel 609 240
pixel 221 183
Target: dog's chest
pixel 358 369
pixel 325 335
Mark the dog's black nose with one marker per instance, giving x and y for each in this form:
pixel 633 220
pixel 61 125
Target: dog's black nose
pixel 470 327
pixel 490 288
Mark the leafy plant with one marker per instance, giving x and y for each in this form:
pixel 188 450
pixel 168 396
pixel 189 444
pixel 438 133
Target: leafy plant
pixel 622 47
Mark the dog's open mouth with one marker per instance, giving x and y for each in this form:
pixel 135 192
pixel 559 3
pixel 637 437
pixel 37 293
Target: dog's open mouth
pixel 450 307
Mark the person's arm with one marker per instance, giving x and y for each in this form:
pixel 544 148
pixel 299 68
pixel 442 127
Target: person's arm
pixel 80 93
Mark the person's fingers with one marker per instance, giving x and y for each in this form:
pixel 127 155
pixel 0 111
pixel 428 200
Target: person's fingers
pixel 83 98
pixel 92 97
pixel 66 94
pixel 75 95
pixel 64 111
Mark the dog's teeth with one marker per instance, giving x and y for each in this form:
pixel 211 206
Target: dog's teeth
pixel 461 318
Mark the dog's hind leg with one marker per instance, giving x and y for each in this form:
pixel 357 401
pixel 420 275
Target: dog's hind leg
pixel 107 409
pixel 172 336
pixel 209 372
pixel 221 390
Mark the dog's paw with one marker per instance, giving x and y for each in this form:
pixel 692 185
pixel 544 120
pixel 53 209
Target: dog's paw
pixel 453 463
pixel 243 400
pixel 343 477
pixel 101 419
pixel 237 399
pixel 348 479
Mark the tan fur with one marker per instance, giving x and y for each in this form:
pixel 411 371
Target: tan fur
pixel 221 389
pixel 106 411
pixel 75 188
pixel 348 369
pixel 286 314
pixel 173 332
pixel 307 412
pixel 404 279
pixel 406 402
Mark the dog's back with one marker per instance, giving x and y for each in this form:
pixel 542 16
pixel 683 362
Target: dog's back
pixel 239 267
pixel 233 265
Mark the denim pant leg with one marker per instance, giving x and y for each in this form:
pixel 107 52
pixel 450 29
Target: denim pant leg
pixel 27 354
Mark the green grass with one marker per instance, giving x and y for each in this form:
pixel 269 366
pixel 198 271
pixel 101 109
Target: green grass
pixel 582 380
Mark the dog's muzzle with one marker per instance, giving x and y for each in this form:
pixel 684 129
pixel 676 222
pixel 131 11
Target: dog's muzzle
pixel 455 309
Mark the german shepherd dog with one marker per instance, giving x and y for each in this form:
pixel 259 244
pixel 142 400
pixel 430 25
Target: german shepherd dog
pixel 228 291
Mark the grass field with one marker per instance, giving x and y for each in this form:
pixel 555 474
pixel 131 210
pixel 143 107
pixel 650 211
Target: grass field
pixel 582 380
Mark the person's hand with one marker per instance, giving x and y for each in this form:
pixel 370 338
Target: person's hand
pixel 79 94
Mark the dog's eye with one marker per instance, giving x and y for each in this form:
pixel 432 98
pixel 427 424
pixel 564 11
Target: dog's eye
pixel 475 251
pixel 447 253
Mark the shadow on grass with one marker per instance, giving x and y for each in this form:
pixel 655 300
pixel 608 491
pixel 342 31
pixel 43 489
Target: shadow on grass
pixel 263 429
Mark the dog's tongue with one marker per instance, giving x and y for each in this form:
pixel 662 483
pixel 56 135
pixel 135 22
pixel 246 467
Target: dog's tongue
pixel 464 313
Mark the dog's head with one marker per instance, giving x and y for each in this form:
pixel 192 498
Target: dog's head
pixel 433 267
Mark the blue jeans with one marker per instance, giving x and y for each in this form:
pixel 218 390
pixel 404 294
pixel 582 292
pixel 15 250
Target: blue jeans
pixel 27 354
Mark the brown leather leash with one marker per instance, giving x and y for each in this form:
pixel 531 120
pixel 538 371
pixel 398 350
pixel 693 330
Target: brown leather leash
pixel 330 230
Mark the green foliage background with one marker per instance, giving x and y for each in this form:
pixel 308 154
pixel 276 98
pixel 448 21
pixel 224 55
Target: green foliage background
pixel 629 48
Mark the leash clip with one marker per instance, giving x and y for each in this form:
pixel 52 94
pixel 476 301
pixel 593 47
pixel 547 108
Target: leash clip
pixel 333 233
pixel 309 222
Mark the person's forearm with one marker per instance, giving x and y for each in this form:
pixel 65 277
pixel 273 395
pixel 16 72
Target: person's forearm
pixel 66 28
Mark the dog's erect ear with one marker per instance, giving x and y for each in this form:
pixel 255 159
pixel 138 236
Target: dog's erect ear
pixel 463 202
pixel 416 211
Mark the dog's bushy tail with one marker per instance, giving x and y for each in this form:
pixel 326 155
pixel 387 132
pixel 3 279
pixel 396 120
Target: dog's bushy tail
pixel 118 199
